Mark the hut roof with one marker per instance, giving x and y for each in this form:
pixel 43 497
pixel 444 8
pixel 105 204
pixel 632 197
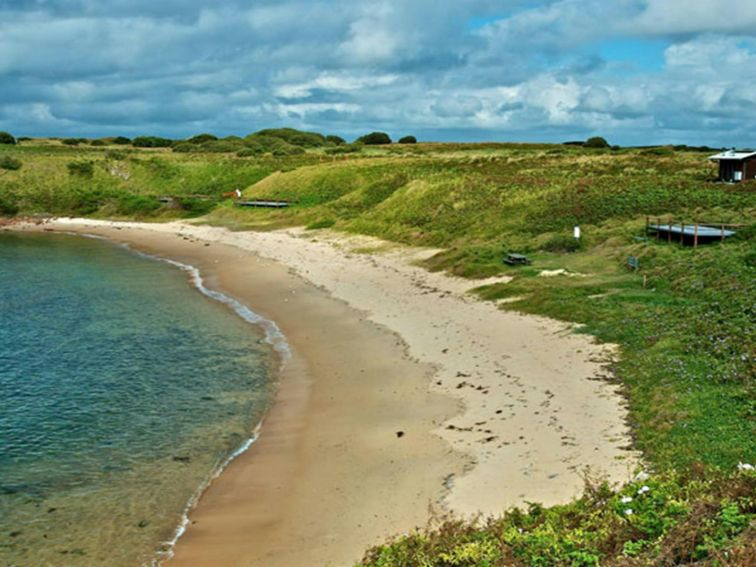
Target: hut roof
pixel 732 154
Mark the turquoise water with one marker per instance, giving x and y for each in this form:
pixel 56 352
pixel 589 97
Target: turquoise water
pixel 122 390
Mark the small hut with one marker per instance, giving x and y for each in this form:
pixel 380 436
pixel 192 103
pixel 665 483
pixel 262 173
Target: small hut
pixel 735 166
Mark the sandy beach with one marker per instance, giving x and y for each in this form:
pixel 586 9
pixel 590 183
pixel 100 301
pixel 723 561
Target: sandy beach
pixel 404 395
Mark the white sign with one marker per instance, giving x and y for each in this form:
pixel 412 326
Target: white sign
pixel 576 232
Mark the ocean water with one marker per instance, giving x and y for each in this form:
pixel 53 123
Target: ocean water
pixel 123 390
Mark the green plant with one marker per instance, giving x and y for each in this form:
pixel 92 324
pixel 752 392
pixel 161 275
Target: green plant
pixel 151 142
pixel 293 137
pixel 81 168
pixel 115 155
pixel 6 138
pixel 408 140
pixel 374 138
pixel 202 138
pixel 596 142
pixel 336 140
pixel 562 243
pixel 10 163
pixel 137 205
pixel 7 207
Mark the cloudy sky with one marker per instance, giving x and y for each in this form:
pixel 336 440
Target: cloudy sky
pixel 634 71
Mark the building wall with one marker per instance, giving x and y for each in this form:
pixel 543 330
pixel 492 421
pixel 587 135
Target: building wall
pixel 727 167
pixel 749 171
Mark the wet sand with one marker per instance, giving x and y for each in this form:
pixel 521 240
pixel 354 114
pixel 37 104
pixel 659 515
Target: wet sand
pixel 403 393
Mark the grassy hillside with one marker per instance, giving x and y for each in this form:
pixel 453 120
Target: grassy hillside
pixel 685 321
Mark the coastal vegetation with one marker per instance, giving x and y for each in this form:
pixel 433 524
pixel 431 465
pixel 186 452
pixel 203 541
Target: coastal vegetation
pixel 683 320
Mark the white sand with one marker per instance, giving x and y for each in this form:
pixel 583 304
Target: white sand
pixel 536 414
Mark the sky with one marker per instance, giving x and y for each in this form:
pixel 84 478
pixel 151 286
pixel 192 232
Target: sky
pixel 638 72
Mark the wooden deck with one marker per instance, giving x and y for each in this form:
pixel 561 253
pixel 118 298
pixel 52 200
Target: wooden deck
pixel 267 203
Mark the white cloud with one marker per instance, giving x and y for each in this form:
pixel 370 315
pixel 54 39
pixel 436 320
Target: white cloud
pixel 78 67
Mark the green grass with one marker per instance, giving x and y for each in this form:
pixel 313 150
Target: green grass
pixel 687 337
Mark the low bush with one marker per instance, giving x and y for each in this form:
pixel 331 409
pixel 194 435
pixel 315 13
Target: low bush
pixel 196 207
pixel 71 141
pixel 408 140
pixel 121 141
pixel 6 138
pixel 137 205
pixel 115 155
pixel 151 142
pixel 336 140
pixel 7 207
pixel 661 520
pixel 374 139
pixel 81 168
pixel 562 243
pixel 294 137
pixel 596 142
pixel 202 138
pixel 249 152
pixel 10 163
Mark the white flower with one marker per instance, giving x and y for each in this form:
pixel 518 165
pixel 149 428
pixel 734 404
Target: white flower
pixel 745 467
pixel 626 499
pixel 641 476
pixel 643 489
pixel 628 512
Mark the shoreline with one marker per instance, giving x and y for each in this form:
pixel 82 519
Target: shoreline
pixel 510 406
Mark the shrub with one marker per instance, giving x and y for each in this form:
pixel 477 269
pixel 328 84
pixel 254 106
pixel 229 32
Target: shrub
pixel 408 140
pixel 249 152
pixel 116 155
pixel 10 163
pixel 202 138
pixel 194 206
pixel 221 146
pixel 6 138
pixel 151 142
pixel 121 141
pixel 271 144
pixel 337 140
pixel 294 137
pixel 71 141
pixel 81 168
pixel 596 142
pixel 658 151
pixel 97 143
pixel 375 139
pixel 184 147
pixel 290 151
pixel 137 205
pixel 7 208
pixel 562 243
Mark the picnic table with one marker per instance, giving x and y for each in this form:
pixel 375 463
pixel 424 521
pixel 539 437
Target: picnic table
pixel 517 260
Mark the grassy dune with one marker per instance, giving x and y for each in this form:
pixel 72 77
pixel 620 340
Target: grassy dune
pixel 687 337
